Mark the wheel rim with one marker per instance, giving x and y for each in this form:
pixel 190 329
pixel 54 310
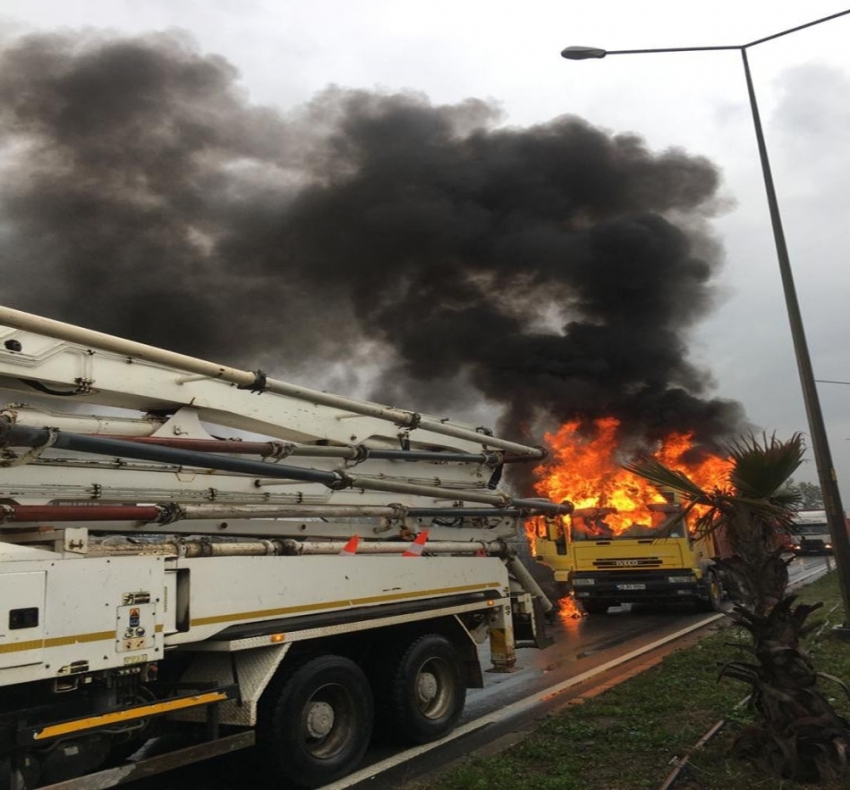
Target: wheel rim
pixel 714 592
pixel 327 721
pixel 435 688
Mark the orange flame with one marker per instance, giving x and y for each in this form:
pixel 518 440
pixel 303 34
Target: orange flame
pixel 588 473
pixel 568 610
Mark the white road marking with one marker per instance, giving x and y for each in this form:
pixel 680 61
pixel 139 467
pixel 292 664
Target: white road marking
pixel 530 701
pixel 514 708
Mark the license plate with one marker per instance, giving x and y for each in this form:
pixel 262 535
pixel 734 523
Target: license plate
pixel 631 586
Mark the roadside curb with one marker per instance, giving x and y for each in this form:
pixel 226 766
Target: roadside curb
pixel 652 653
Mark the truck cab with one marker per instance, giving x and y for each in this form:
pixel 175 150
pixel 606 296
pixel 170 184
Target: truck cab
pixel 654 560
pixel 811 534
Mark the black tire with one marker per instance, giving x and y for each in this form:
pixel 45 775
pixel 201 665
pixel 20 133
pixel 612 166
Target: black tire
pixel 714 592
pixel 595 607
pixel 315 721
pixel 423 697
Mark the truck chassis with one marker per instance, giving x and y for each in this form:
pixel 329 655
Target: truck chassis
pixel 187 546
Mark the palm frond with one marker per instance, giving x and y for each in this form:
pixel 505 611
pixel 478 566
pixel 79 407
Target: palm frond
pixel 741 670
pixel 762 468
pixel 778 513
pixel 837 681
pixel 788 500
pixel 653 470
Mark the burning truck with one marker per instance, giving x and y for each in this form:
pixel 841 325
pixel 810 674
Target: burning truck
pixel 625 542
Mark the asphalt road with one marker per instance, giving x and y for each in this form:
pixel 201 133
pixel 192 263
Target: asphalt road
pixel 579 646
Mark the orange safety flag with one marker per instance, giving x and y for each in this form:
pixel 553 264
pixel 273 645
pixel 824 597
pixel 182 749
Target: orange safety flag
pixel 350 548
pixel 415 548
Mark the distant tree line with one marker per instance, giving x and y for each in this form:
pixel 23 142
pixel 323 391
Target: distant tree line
pixel 811 497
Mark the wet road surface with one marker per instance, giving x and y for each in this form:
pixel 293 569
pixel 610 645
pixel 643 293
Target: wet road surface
pixel 580 644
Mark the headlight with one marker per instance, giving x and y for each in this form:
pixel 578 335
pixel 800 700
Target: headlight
pixel 583 582
pixel 828 546
pixel 680 579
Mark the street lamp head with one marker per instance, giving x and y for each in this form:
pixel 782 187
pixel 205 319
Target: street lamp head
pixel 582 53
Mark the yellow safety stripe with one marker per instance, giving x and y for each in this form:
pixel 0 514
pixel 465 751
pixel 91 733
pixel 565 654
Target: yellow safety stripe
pixel 100 636
pixel 32 644
pixel 127 715
pixel 61 641
pixel 261 613
pixel 97 636
pixel 57 641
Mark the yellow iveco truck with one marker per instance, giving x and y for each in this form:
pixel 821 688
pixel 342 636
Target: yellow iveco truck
pixel 604 568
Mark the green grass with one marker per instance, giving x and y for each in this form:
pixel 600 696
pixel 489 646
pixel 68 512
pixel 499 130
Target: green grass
pixel 626 738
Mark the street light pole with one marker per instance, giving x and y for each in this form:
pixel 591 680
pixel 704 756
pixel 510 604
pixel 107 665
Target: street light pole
pixel 820 444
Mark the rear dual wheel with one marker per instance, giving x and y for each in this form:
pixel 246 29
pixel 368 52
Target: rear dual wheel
pixel 714 594
pixel 424 691
pixel 315 723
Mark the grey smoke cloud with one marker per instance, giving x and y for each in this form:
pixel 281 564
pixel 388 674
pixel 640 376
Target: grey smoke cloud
pixel 557 268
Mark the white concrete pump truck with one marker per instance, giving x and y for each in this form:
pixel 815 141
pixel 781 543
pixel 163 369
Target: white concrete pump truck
pixel 187 546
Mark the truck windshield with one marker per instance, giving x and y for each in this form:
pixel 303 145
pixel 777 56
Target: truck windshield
pixel 811 529
pixel 586 528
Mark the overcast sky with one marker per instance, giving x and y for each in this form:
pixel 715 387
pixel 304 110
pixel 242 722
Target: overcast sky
pixel 287 51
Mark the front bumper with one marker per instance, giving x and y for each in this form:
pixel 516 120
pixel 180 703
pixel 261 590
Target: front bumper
pixel 635 587
pixel 813 548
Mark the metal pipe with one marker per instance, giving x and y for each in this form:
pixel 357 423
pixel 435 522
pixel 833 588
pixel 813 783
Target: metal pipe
pixel 529 583
pixel 297 547
pixel 498 499
pixel 820 443
pixel 167 513
pixel 489 459
pixel 398 487
pixel 190 548
pixel 668 49
pixel 464 512
pixel 394 510
pixel 36 513
pixel 254 548
pixel 446 429
pixel 274 448
pixel 795 29
pixel 250 380
pixel 286 547
pixel 119 427
pixel 195 512
pixel 24 436
pixel 231 446
pixel 835 515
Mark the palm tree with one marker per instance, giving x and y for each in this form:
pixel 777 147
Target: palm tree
pixel 749 514
pixel 797 733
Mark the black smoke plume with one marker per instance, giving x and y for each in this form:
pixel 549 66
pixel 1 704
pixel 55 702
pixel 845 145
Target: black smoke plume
pixel 555 268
